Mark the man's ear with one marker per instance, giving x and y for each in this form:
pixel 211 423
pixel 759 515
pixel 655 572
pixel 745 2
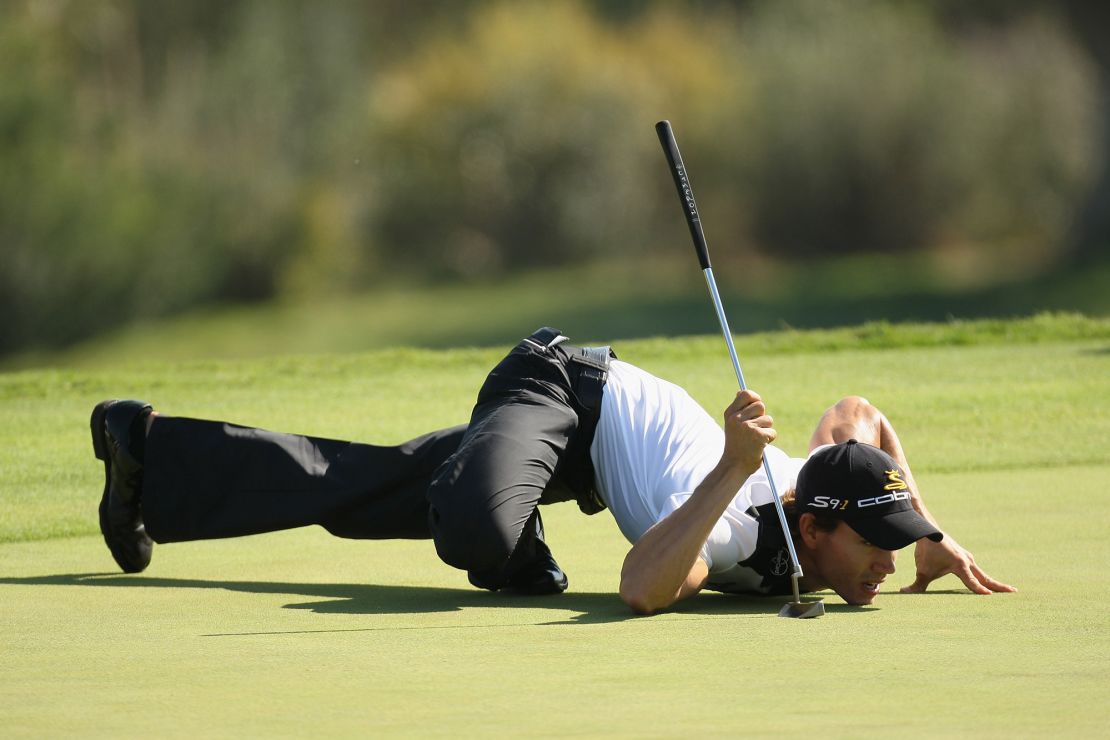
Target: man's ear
pixel 807 528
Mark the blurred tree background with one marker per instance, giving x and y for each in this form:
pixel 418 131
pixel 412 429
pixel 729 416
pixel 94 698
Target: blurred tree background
pixel 157 156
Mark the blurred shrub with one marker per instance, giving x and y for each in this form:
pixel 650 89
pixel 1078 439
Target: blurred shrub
pixel 156 155
pixel 147 172
pixel 873 131
pixel 526 138
pixel 811 128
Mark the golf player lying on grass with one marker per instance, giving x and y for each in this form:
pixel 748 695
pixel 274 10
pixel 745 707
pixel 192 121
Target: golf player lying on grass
pixel 552 422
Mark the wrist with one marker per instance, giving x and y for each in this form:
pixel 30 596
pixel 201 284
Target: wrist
pixel 736 470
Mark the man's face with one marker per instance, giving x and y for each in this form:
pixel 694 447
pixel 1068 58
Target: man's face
pixel 849 564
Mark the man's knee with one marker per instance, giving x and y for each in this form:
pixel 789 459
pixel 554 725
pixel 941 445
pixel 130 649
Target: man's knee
pixel 855 406
pixel 856 417
pixel 469 540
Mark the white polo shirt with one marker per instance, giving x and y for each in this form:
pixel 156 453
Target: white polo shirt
pixel 653 446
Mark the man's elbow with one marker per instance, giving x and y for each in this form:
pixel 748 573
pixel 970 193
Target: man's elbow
pixel 638 604
pixel 641 601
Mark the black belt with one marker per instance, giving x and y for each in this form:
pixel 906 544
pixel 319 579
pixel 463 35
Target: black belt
pixel 587 369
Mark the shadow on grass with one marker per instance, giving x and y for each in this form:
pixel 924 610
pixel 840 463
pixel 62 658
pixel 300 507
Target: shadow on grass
pixel 364 598
pixel 936 592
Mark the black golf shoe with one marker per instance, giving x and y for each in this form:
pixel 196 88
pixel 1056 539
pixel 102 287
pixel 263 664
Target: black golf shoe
pixel 539 575
pixel 118 435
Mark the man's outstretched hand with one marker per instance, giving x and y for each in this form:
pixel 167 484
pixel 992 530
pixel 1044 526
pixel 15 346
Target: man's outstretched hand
pixel 936 559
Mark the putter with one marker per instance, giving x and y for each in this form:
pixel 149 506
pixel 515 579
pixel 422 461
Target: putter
pixel 797 608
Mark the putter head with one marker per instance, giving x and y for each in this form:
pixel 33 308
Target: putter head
pixel 802 609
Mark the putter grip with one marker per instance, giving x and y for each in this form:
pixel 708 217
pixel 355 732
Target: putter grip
pixel 685 191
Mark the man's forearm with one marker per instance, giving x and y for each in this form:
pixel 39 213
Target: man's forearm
pixel 891 445
pixel 663 566
pixel 657 570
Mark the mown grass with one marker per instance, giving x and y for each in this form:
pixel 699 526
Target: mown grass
pixel 300 633
pixel 981 393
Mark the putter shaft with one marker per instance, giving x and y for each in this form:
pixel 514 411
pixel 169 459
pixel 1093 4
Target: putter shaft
pixel 693 220
pixel 797 573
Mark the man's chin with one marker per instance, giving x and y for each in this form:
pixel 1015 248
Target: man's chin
pixel 862 595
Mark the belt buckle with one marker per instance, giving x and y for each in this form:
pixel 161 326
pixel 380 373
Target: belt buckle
pixel 555 340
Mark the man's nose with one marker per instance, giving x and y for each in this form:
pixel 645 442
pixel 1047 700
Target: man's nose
pixel 884 562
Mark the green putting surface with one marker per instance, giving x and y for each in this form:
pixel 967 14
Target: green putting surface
pixel 299 633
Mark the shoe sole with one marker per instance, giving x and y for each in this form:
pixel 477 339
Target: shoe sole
pixel 96 425
pixel 100 449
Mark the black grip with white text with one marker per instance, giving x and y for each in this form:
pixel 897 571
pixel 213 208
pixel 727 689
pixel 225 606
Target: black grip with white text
pixel 685 190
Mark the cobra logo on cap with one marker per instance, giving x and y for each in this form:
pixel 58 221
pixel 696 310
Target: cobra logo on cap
pixel 896 482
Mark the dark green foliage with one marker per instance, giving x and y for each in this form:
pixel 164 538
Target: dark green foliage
pixel 158 155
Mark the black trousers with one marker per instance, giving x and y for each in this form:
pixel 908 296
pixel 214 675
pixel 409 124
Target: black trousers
pixel 473 488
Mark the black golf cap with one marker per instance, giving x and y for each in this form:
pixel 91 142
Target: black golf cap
pixel 864 487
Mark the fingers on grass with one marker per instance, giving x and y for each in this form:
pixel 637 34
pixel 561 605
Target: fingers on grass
pixel 991 583
pixel 918 586
pixel 970 580
pixel 972 576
